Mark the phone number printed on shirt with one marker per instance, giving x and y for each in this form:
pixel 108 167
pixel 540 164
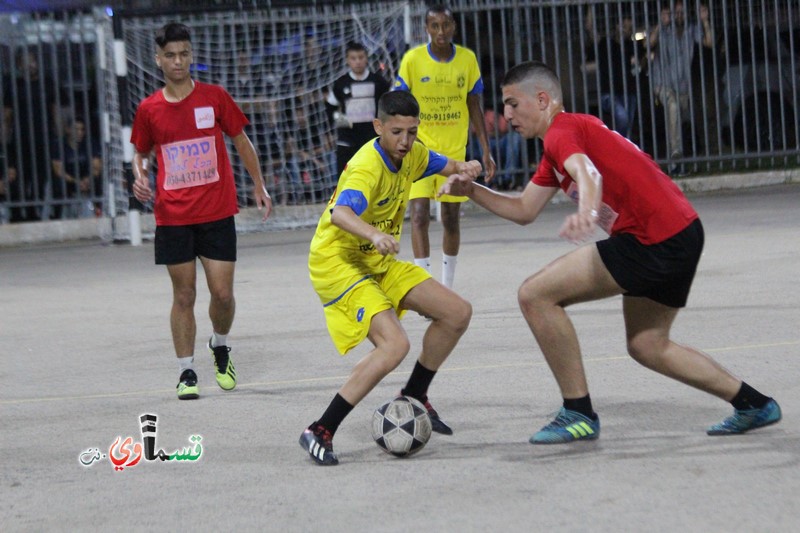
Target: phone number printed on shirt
pixel 190 163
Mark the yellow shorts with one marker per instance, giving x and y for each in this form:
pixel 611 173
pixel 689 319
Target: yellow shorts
pixel 349 314
pixel 429 188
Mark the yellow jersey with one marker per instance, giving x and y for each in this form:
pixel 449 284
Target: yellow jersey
pixel 441 88
pixel 377 192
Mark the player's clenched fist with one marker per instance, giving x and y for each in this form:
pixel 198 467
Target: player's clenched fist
pixel 385 244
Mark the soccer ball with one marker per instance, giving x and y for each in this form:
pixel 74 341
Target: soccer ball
pixel 401 426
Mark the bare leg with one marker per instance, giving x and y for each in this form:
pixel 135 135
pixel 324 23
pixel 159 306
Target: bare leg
pixel 576 277
pixel 647 326
pixel 451 241
pixel 420 223
pixel 182 321
pixel 221 309
pixel 391 347
pixel 450 315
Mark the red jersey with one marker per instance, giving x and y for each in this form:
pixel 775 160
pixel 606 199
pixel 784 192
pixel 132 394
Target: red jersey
pixel 195 181
pixel 638 198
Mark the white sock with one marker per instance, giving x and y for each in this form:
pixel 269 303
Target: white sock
pixel 218 340
pixel 186 363
pixel 424 262
pixel 448 269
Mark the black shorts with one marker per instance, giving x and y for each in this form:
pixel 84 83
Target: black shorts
pixel 180 244
pixel 662 272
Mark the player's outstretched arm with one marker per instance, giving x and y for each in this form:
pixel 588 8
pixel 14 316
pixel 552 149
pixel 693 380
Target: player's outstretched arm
pixel 345 218
pixel 522 209
pixel 249 158
pixel 141 181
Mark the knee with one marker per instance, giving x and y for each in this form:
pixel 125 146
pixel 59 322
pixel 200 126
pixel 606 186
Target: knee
pixel 420 218
pixel 529 296
pixel 396 350
pixel 223 297
pixel 459 316
pixel 644 349
pixel 184 297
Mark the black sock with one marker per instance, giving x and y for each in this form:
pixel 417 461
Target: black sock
pixel 581 405
pixel 335 413
pixel 418 383
pixel 748 398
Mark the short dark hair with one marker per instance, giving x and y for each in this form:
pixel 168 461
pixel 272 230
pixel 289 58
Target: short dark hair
pixel 438 9
pixel 172 33
pixel 529 70
pixel 355 46
pixel 395 103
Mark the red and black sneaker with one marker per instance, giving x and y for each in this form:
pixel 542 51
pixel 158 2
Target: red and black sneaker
pixel 437 424
pixel 318 442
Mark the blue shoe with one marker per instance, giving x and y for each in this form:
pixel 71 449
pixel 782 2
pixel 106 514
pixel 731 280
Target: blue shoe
pixel 567 427
pixel 746 419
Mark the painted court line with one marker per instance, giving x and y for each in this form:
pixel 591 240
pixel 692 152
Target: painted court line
pixel 301 381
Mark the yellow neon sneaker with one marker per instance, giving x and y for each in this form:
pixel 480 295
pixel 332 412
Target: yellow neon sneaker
pixel 226 373
pixel 187 385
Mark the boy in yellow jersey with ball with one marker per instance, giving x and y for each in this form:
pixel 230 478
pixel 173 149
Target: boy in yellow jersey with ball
pixel 363 288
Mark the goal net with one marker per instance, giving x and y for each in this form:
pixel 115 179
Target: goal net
pixel 278 65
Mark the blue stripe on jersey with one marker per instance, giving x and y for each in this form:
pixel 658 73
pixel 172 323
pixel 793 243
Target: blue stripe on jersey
pixel 449 59
pixel 400 85
pixel 436 162
pixel 478 88
pixel 355 200
pixel 385 157
pixel 346 291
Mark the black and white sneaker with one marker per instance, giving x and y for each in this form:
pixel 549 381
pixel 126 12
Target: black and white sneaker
pixel 317 441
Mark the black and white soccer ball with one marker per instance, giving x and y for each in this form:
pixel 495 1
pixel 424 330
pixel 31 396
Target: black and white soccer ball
pixel 401 426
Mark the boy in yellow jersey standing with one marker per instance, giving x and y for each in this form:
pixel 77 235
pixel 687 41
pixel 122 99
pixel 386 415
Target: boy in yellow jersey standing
pixel 446 80
pixel 363 288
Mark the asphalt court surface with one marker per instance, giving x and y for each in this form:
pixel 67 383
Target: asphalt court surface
pixel 86 350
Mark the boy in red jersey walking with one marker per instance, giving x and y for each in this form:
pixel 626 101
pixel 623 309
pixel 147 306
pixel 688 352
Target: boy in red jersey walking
pixel 651 255
pixel 195 197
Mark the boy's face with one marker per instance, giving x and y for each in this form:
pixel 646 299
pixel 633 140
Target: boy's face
pixel 357 61
pixel 441 27
pixel 525 112
pixel 174 60
pixel 397 135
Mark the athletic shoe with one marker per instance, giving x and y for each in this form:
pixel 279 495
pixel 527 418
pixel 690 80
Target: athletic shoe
pixel 437 424
pixel 746 419
pixel 318 442
pixel 222 360
pixel 187 385
pixel 567 427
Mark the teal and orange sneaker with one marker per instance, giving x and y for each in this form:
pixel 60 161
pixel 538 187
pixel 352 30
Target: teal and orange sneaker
pixel 568 426
pixel 226 373
pixel 187 385
pixel 744 420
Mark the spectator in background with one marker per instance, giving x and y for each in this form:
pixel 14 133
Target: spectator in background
pixel 10 190
pixel 77 171
pixel 32 96
pixel 674 43
pixel 616 60
pixel 505 145
pixel 249 88
pixel 310 152
pixel 353 103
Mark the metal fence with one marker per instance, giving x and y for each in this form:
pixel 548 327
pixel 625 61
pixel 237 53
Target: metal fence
pixel 702 87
